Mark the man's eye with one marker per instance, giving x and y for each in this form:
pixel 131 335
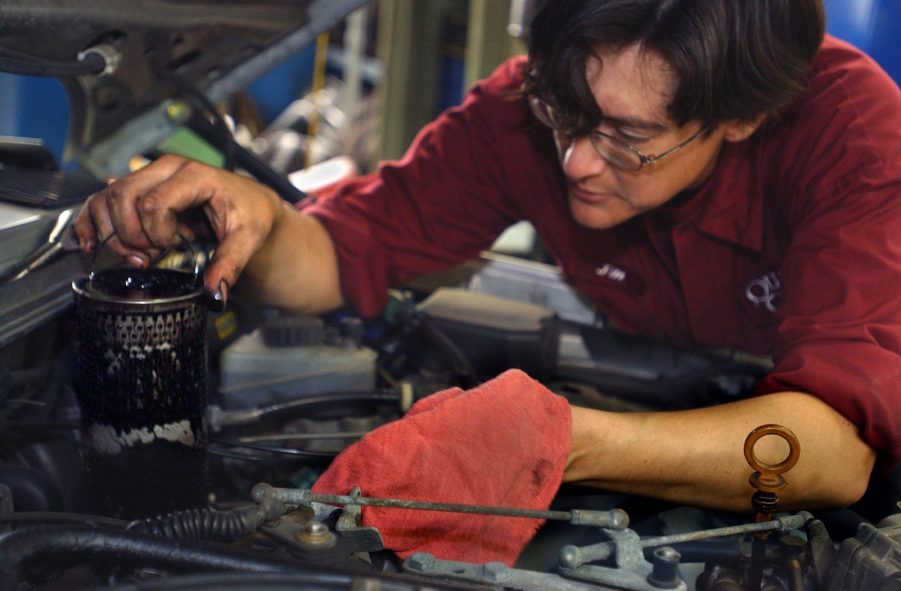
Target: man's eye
pixel 622 134
pixel 629 137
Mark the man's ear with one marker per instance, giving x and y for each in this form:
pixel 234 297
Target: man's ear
pixel 737 130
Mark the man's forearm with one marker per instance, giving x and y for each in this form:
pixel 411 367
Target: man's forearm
pixel 296 268
pixel 697 456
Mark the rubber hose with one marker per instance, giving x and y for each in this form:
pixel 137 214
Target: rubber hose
pixel 60 547
pixel 314 581
pixel 32 490
pixel 91 64
pixel 203 524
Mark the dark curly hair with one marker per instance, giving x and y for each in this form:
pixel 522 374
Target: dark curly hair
pixel 734 59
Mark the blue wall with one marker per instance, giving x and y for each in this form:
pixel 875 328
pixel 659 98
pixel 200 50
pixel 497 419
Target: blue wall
pixel 872 25
pixel 34 108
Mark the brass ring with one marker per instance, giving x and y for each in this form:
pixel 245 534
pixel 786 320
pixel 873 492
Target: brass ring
pixel 794 449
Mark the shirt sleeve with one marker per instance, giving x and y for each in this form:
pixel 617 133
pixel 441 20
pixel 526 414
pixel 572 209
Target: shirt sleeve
pixel 840 333
pixel 444 202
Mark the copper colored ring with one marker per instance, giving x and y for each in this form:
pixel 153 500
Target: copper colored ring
pixel 794 449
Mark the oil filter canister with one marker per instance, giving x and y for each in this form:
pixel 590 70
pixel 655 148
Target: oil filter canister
pixel 141 384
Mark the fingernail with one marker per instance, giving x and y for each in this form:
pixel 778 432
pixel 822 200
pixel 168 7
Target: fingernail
pixel 135 260
pixel 217 299
pixel 222 292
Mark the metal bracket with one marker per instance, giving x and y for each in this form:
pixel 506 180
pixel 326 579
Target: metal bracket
pixel 631 570
pixel 350 526
pixel 490 573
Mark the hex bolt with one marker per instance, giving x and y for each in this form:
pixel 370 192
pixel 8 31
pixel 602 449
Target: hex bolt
pixel 421 561
pixel 495 572
pixel 665 574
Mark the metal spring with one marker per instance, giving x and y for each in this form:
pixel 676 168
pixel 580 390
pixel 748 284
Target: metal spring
pixel 202 524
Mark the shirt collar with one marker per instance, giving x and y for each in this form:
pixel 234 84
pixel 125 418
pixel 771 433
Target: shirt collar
pixel 729 206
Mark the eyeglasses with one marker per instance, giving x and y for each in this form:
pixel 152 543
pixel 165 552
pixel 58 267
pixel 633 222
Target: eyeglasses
pixel 616 152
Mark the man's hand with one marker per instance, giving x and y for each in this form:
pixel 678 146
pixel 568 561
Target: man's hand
pixel 288 255
pixel 140 214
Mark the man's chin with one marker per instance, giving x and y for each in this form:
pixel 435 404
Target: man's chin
pixel 595 217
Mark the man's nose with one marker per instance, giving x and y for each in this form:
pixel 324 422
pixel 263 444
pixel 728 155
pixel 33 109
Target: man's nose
pixel 581 160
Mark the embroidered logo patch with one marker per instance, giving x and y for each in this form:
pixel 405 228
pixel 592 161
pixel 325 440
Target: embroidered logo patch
pixel 611 272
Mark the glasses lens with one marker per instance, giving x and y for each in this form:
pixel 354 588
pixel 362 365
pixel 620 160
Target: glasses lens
pixel 615 152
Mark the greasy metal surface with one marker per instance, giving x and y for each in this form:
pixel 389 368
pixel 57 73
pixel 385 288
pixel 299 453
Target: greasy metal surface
pixel 142 385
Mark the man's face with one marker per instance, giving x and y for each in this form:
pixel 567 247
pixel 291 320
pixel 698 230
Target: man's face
pixel 633 89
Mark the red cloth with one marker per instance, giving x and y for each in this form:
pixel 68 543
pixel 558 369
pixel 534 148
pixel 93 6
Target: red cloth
pixel 792 248
pixel 503 443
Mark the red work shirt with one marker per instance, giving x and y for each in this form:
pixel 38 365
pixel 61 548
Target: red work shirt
pixel 792 248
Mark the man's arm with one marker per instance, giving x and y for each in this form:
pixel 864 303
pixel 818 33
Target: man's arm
pixel 697 456
pixel 296 268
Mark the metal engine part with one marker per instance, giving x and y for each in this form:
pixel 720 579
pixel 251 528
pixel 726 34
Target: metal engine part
pixel 142 388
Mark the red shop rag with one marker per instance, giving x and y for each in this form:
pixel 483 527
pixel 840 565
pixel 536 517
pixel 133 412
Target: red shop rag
pixel 503 443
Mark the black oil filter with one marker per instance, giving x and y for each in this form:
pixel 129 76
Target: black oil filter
pixel 141 384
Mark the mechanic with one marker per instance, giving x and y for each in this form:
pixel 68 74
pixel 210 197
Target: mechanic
pixel 714 173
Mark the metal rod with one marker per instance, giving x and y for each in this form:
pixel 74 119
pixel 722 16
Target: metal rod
pixel 782 524
pixel 616 518
pixel 576 556
pixel 449 507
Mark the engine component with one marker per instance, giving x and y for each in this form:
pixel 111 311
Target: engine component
pixel 767 478
pixel 870 560
pixel 631 570
pixel 255 372
pixel 768 481
pixel 205 524
pixel 142 386
pixel 496 333
pixel 615 519
pixel 21 553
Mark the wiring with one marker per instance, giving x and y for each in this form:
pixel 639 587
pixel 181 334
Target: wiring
pixel 299 453
pixel 61 517
pixel 17 62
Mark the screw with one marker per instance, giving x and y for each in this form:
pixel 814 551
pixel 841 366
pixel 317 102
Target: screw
pixel 315 535
pixel 421 561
